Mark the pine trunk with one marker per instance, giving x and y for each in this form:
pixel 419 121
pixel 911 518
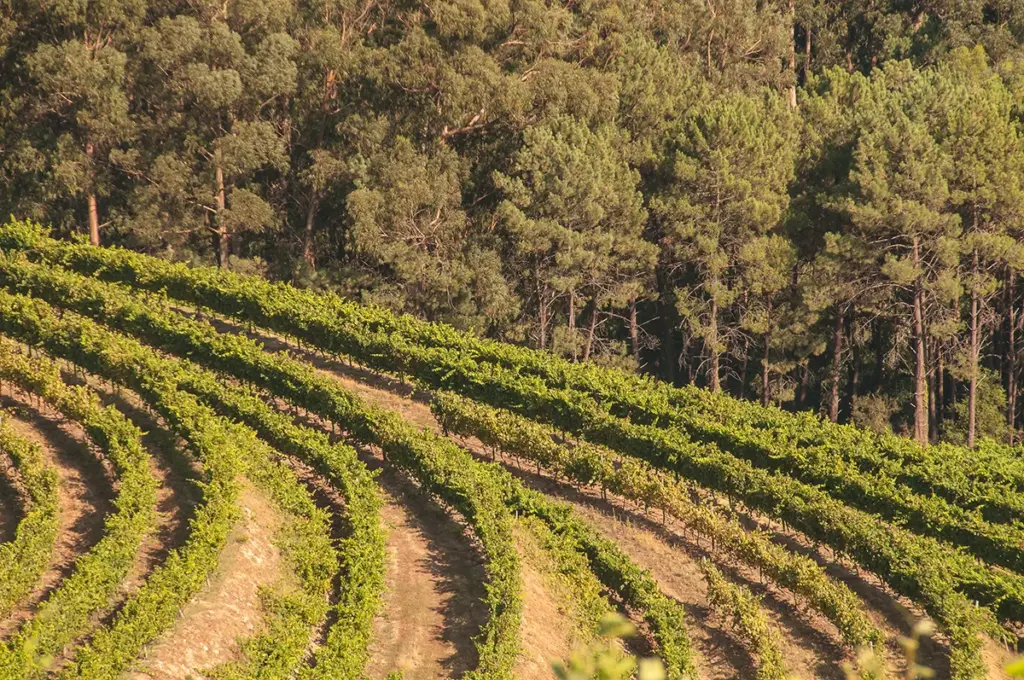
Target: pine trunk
pixel 91 201
pixel 933 405
pixel 972 389
pixel 940 389
pixel 308 251
pixel 765 366
pixel 920 379
pixel 591 330
pixel 1011 356
pixel 713 377
pixel 634 332
pixel 572 324
pixel 837 365
pixel 307 232
pixel 94 220
pixel 792 52
pixel 223 236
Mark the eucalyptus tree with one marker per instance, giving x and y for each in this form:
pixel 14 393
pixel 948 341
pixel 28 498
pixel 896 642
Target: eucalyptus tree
pixel 209 85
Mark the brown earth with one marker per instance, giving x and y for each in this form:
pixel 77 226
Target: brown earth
pixel 809 652
pixel 548 632
pixel 176 473
pixel 409 636
pixel 210 625
pixel 433 604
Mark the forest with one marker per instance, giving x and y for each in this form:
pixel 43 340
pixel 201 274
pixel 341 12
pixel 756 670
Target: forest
pixel 812 204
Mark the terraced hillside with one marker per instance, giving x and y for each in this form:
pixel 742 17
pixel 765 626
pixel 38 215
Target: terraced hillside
pixel 208 475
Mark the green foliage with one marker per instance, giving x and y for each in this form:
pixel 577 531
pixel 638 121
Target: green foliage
pixel 438 465
pixel 93 584
pixel 605 661
pixel 738 605
pixel 23 558
pixel 632 479
pixel 928 572
pixel 155 605
pixel 991 413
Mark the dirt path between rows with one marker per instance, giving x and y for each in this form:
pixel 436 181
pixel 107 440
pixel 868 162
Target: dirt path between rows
pixel 423 632
pixel 548 630
pixel 433 602
pixel 84 492
pixel 177 476
pixel 210 625
pixel 811 646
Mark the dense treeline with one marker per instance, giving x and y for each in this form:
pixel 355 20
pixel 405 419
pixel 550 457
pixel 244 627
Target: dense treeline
pixel 817 204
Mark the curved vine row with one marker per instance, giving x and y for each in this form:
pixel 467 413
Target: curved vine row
pixel 24 557
pixel 442 469
pixel 915 566
pixel 463 477
pixel 380 339
pixel 634 480
pixel 93 583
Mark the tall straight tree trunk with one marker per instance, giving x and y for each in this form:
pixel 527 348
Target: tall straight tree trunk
pixel 94 213
pixel 223 236
pixel 972 389
pixel 940 389
pixel 933 406
pixel 837 365
pixel 920 379
pixel 94 220
pixel 713 374
pixel 745 367
pixel 792 52
pixel 765 373
pixel 307 231
pixel 591 329
pixel 308 253
pixel 855 364
pixel 572 324
pixel 801 388
pixel 1011 355
pixel 668 361
pixel 807 55
pixel 634 332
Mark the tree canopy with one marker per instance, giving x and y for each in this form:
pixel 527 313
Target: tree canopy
pixel 815 204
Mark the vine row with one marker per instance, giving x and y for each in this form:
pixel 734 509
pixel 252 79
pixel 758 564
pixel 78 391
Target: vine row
pixel 380 339
pixel 66 613
pixel 917 567
pixel 24 557
pixel 632 479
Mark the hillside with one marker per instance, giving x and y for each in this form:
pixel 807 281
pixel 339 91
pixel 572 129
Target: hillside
pixel 211 475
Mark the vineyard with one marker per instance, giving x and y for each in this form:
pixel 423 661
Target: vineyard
pixel 207 475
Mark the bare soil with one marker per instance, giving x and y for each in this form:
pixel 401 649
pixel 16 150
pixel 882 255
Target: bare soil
pixel 433 605
pixel 811 647
pixel 84 492
pixel 425 633
pixel 548 632
pixel 176 474
pixel 211 624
